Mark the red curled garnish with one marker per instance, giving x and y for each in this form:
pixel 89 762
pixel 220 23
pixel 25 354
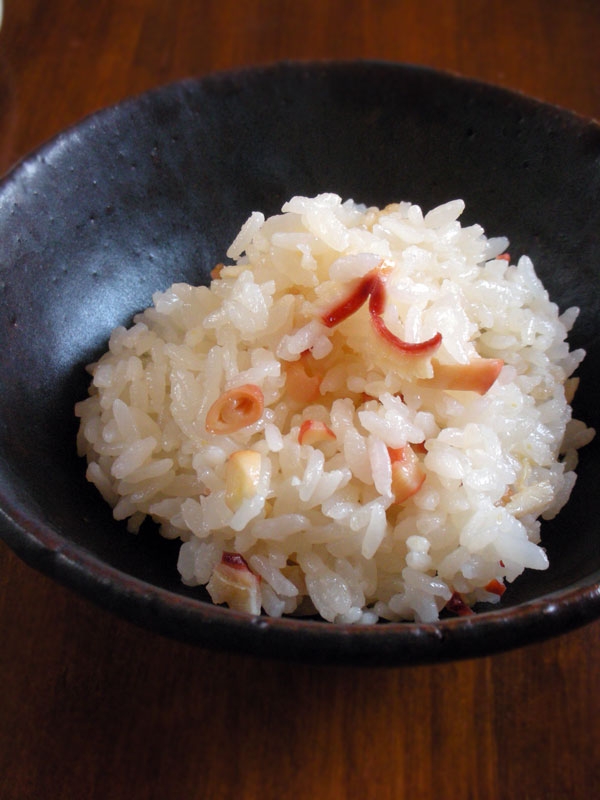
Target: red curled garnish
pixel 235 409
pixel 456 605
pixel 373 287
pixel 352 303
pixel 376 308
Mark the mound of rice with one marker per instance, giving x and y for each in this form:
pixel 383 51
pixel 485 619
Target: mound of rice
pixel 364 416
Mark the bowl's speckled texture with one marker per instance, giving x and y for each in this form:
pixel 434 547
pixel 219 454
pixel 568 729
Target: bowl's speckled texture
pixel 153 190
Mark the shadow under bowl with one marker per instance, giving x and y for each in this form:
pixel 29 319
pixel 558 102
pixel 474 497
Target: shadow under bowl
pixel 153 190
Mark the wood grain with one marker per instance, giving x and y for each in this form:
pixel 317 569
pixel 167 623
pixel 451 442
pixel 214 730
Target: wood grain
pixel 91 706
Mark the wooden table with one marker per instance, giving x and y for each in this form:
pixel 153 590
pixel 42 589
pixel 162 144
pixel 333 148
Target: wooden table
pixel 93 707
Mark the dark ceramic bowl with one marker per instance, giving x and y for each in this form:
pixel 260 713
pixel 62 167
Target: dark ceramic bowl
pixel 153 190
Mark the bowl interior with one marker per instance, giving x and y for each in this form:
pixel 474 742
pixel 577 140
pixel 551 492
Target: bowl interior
pixel 152 192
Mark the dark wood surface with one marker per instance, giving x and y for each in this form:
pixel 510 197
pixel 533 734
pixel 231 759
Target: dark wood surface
pixel 93 707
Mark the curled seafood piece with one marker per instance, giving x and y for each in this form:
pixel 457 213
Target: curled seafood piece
pixel 372 286
pixel 477 376
pixel 313 431
pixel 407 473
pixel 233 583
pixel 235 409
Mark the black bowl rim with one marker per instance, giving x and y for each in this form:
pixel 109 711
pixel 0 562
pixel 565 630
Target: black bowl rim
pixel 197 622
pixel 223 76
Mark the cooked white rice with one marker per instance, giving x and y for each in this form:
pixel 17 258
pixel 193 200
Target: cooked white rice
pixel 298 511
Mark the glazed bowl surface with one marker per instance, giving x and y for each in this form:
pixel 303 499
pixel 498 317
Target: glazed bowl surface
pixel 153 190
